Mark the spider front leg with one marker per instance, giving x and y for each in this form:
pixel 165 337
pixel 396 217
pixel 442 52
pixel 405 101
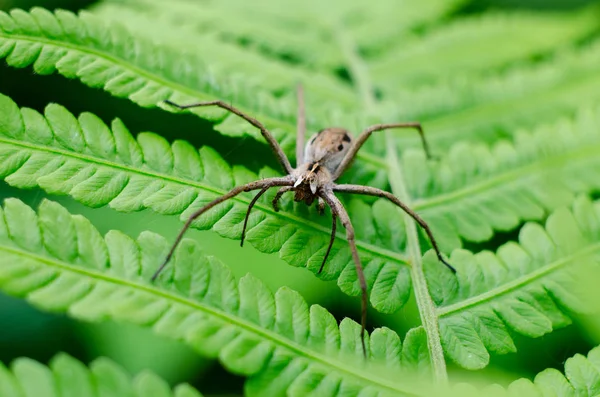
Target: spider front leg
pixel 338 210
pixel 362 138
pixel 283 160
pixel 262 184
pixel 371 191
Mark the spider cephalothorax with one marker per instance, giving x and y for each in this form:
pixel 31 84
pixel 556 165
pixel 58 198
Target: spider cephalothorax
pixel 326 156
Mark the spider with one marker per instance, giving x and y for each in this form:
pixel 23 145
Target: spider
pixel 326 156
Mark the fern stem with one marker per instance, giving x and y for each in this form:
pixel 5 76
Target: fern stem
pixel 427 311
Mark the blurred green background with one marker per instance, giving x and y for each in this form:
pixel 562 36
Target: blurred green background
pixel 26 331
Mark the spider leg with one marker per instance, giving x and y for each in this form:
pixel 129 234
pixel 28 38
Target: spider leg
pixel 301 126
pixel 338 210
pixel 331 240
pixel 283 160
pixel 254 200
pixel 362 138
pixel 371 191
pixel 264 183
pixel 277 197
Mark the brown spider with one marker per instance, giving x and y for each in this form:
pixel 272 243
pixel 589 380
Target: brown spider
pixel 325 157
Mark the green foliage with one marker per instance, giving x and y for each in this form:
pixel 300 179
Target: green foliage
pixel 581 378
pixel 59 262
pixel 66 376
pixel 529 288
pixel 515 133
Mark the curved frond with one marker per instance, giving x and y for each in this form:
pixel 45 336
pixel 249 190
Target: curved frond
pixel 528 288
pixel 477 190
pixel 66 376
pixel 493 107
pixel 130 66
pixel 581 377
pixel 477 108
pixel 416 61
pixel 108 56
pixel 60 262
pixel 473 190
pixel 99 166
pixel 304 34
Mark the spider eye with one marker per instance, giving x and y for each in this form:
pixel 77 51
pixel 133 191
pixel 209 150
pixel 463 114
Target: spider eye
pixel 341 147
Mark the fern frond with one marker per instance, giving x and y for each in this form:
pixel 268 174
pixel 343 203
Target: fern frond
pixel 477 190
pixel 288 35
pixel 66 376
pixel 528 288
pixel 108 56
pixel 304 34
pixel 59 262
pixel 132 67
pixel 489 108
pixel 416 61
pixel 474 108
pixel 581 378
pixel 99 166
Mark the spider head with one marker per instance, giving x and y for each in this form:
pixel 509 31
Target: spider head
pixel 310 178
pixel 328 147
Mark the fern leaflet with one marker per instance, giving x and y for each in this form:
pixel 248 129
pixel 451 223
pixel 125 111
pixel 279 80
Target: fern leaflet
pixel 59 262
pixel 529 288
pixel 65 376
pixel 99 166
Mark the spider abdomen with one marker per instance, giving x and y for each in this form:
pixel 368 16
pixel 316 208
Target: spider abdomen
pixel 328 147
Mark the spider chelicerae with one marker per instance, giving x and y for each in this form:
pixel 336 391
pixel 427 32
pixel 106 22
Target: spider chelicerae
pixel 326 156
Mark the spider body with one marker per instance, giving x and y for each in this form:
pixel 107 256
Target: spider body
pixel 323 153
pixel 319 164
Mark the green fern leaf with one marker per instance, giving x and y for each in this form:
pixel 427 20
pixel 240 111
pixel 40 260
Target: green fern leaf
pixel 477 190
pixel 59 262
pixel 126 66
pixel 417 61
pixel 581 378
pixel 293 31
pixel 529 288
pixel 489 108
pixel 97 165
pixel 84 158
pixel 455 108
pixel 122 66
pixel 65 376
pixel 412 63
